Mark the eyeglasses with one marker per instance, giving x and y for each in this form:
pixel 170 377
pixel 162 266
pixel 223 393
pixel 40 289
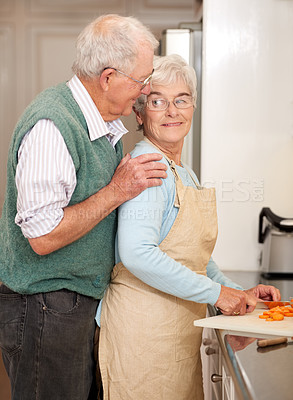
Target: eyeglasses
pixel 161 104
pixel 142 83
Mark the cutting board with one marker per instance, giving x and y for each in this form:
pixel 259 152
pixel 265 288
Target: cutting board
pixel 249 325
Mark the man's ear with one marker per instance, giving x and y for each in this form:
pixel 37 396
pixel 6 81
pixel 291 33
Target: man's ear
pixel 106 78
pixel 138 116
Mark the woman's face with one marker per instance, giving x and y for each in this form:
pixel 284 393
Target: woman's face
pixel 169 127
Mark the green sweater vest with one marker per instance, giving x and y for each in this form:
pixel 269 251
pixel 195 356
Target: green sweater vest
pixel 85 265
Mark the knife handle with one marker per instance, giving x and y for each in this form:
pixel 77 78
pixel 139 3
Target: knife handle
pixel 271 342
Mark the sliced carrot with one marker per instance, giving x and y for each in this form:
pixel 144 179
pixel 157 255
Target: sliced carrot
pixel 278 317
pixel 277 313
pixel 285 308
pixel 272 304
pixel 277 308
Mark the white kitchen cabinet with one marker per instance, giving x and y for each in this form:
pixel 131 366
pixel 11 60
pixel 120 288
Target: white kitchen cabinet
pixel 211 360
pixel 218 373
pixel 228 387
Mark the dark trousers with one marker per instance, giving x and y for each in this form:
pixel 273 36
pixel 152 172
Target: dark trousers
pixel 47 344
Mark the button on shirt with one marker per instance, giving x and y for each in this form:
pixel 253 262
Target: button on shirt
pixel 45 174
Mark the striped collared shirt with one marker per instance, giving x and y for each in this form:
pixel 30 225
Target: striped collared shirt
pixel 44 162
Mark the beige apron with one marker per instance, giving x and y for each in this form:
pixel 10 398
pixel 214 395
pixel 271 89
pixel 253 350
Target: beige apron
pixel 149 347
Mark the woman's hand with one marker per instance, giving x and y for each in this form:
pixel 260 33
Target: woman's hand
pixel 238 302
pixel 265 292
pixel 235 302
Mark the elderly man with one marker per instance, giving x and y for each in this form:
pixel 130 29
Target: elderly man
pixel 65 179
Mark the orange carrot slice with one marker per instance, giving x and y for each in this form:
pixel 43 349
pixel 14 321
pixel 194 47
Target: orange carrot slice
pixel 277 317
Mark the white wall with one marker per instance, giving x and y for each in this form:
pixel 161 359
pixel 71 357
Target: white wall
pixel 247 119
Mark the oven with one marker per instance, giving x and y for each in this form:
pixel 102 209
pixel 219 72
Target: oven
pixel 276 261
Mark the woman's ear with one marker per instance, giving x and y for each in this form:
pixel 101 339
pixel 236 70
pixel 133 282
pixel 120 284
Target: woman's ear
pixel 138 116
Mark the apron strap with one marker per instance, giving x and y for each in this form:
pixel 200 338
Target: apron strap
pixel 196 184
pixel 178 183
pixel 179 188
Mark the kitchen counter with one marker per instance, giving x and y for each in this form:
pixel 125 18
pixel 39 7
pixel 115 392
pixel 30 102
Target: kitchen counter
pixel 257 373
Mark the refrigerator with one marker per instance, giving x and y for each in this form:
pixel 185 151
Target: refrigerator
pixel 187 42
pixel 241 141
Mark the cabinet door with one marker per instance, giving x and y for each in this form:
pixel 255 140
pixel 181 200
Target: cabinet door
pixel 228 392
pixel 211 356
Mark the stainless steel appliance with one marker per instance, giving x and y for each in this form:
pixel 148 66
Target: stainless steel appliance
pixel 276 261
pixel 187 42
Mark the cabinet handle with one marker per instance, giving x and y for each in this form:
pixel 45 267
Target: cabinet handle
pixel 216 378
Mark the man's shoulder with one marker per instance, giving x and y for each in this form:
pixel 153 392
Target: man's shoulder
pixel 55 103
pixel 52 98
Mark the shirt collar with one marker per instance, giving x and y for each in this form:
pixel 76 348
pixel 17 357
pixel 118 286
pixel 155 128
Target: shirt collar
pixel 97 127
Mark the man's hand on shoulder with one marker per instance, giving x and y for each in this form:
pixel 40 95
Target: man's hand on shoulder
pixel 133 175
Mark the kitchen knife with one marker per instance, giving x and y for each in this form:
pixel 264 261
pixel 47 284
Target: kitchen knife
pixel 267 305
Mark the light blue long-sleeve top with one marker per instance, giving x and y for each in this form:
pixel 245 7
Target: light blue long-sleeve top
pixel 143 223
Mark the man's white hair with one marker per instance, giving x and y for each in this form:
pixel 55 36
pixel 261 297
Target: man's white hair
pixel 111 41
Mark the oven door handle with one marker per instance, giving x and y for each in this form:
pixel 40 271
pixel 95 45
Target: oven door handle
pixel 274 220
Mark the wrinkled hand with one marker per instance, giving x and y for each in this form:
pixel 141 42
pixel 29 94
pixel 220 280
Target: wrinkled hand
pixel 265 292
pixel 134 175
pixel 235 302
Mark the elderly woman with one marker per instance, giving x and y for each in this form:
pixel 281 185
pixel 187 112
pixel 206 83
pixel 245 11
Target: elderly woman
pixel 164 276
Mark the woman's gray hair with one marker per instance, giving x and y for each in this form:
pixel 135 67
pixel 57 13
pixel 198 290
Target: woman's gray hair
pixel 110 41
pixel 167 71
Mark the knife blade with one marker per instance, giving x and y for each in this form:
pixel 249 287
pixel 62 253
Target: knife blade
pixel 267 305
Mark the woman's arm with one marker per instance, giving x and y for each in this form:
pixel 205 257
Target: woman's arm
pixel 139 236
pixel 216 275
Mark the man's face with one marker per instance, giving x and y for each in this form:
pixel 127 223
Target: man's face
pixel 123 91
